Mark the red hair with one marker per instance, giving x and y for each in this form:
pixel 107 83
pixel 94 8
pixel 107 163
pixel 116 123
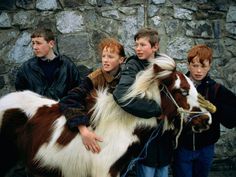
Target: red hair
pixel 113 45
pixel 203 52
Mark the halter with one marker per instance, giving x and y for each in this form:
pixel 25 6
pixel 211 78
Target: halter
pixel 183 112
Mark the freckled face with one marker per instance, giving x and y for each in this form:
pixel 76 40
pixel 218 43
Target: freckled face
pixel 111 60
pixel 144 50
pixel 198 70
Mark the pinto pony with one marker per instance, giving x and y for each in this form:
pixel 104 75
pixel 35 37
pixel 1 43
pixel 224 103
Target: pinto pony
pixel 34 127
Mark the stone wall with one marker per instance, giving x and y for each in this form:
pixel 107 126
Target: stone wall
pixel 80 24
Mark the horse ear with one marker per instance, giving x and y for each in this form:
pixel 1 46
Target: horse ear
pixel 157 68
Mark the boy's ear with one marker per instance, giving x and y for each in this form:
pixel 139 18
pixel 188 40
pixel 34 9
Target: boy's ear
pixel 51 43
pixel 122 60
pixel 188 65
pixel 156 46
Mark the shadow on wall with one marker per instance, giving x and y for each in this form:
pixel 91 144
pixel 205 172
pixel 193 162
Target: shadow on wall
pixel 10 4
pixel 6 5
pixel 84 71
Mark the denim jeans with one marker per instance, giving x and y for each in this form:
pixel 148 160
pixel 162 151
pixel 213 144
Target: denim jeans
pixel 146 171
pixel 188 163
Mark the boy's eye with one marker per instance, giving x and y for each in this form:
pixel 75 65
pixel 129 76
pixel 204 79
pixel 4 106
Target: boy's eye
pixel 139 45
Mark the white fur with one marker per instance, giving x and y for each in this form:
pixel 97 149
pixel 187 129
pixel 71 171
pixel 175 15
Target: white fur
pixel 147 82
pixel 193 97
pixel 112 123
pixel 116 127
pixel 27 101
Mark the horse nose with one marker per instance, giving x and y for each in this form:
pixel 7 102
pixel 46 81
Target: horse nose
pixel 201 123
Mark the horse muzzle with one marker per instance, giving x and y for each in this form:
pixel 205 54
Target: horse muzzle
pixel 201 123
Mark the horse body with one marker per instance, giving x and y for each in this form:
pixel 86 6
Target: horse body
pixel 51 149
pixel 70 157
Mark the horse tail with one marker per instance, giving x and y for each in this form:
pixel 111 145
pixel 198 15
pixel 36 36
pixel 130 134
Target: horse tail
pixel 11 121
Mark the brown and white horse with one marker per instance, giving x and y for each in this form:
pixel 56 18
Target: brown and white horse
pixel 34 126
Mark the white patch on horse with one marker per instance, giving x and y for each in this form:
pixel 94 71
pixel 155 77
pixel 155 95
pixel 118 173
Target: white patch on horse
pixel 53 155
pixel 30 102
pixel 121 124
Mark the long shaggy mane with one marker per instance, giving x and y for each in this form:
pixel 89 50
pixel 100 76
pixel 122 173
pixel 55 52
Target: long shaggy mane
pixel 147 82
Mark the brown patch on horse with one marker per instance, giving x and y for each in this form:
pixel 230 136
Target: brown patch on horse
pixel 12 120
pixel 37 132
pixel 168 107
pixel 66 136
pixel 134 149
pixel 180 99
pixel 45 172
pixel 157 68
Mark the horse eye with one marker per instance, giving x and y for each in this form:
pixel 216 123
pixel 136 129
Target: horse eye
pixel 184 92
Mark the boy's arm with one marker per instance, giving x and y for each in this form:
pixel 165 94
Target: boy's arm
pixel 226 107
pixel 75 77
pixel 73 105
pixel 138 107
pixel 20 81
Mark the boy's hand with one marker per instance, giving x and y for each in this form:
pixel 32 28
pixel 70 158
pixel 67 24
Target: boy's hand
pixel 90 139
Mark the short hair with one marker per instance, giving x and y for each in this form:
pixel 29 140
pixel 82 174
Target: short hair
pixel 202 51
pixel 113 44
pixel 150 33
pixel 46 33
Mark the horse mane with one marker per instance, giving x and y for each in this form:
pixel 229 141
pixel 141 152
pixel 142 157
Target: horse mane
pixel 147 82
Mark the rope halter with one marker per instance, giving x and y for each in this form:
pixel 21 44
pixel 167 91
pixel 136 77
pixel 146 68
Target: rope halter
pixel 182 112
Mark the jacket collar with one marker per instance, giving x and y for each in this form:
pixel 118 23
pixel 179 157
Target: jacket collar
pixel 205 81
pixel 108 77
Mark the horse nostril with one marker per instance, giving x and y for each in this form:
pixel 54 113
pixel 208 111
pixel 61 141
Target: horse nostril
pixel 196 129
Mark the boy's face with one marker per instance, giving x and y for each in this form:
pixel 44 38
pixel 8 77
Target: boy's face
pixel 144 50
pixel 41 47
pixel 111 60
pixel 198 70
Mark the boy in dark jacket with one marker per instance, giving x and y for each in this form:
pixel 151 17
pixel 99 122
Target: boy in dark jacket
pixel 194 156
pixel 155 164
pixel 74 105
pixel 47 73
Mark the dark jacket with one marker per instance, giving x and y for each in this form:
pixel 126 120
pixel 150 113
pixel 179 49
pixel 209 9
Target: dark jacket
pixel 225 102
pixel 80 100
pixel 31 76
pixel 138 107
pixel 159 151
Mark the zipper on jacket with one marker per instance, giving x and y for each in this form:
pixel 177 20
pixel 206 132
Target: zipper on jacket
pixel 194 147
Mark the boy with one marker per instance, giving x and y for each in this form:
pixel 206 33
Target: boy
pixel 194 156
pixel 47 73
pixel 74 104
pixel 159 151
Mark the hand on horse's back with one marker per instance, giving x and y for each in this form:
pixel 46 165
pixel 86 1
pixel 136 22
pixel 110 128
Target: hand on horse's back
pixel 90 139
